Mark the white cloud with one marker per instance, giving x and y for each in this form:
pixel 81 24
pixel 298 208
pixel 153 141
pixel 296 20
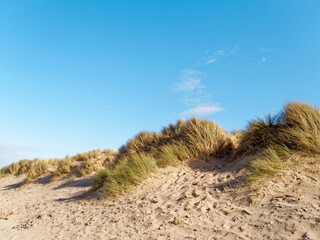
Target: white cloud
pixel 191 88
pixel 202 110
pixel 210 60
pixel 194 95
pixel 263 59
pixel 189 81
pixel 220 54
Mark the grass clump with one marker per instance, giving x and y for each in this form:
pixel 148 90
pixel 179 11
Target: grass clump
pixel 37 168
pixel 94 160
pixel 83 164
pixel 267 164
pixel 293 133
pixel 124 175
pixel 33 168
pixel 296 127
pixel 63 167
pixel 203 138
pixel 142 142
pixel 259 135
pixel 206 139
pixel 87 167
pixel 147 151
pixel 80 164
pixel 236 137
pixel 14 168
pixel 302 131
pixel 172 154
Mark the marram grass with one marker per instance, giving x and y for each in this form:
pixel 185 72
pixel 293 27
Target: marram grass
pixel 126 174
pixel 267 164
pixel 82 164
pixel 147 151
pixel 274 140
pixel 297 127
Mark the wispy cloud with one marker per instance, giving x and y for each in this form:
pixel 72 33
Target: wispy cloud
pixel 195 96
pixel 191 87
pixel 219 55
pixel 263 59
pixel 202 110
pixel 189 81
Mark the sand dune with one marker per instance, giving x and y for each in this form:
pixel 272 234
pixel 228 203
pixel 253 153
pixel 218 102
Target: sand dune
pixel 195 201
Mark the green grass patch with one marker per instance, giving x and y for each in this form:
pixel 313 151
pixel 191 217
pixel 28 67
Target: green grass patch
pixel 126 174
pixel 267 164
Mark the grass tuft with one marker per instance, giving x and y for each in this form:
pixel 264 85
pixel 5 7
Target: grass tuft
pixel 124 175
pixel 267 164
pixel 297 127
pixel 145 152
pixel 206 139
pixel 37 168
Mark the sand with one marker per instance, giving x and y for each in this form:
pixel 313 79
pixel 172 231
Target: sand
pixel 192 201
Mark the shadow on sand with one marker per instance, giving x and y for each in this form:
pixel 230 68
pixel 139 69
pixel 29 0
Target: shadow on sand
pixel 13 186
pixel 86 182
pixel 225 167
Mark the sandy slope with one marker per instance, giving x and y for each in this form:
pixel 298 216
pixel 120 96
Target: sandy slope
pixel 185 202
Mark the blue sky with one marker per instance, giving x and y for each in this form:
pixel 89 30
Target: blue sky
pixel 80 75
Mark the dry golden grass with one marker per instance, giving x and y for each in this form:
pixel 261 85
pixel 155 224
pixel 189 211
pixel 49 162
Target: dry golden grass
pixel 236 137
pixel 37 168
pixel 63 168
pixel 33 167
pixel 302 131
pixel 297 127
pixel 295 131
pixel 82 164
pixel 206 139
pixel 142 142
pixel 143 154
pixel 259 135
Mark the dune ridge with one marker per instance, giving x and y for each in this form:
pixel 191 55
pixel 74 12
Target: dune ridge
pixel 192 180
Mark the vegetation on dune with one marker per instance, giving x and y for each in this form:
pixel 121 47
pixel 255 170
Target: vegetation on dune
pixel 294 133
pixel 302 132
pixel 34 168
pixel 203 138
pixel 147 151
pixel 260 134
pixel 80 164
pixel 274 142
pixel 206 139
pixel 172 154
pixel 84 163
pixel 124 175
pixel 296 127
pixel 267 164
